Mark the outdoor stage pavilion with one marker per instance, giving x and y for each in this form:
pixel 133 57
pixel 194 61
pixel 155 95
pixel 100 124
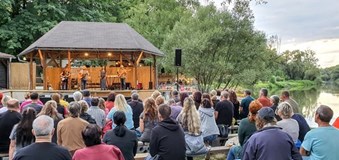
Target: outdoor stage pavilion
pixel 68 42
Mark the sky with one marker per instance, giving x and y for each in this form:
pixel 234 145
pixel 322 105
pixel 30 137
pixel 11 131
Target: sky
pixel 301 24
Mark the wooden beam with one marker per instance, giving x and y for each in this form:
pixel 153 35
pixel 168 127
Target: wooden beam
pixel 41 57
pixel 31 71
pixel 69 61
pixel 44 71
pixel 53 59
pixel 139 58
pixel 120 58
pixel 155 84
pixel 129 61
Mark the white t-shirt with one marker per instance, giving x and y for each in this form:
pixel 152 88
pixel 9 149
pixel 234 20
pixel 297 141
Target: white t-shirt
pixel 290 126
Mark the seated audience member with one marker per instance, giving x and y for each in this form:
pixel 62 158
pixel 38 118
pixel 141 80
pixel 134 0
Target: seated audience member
pixel 321 142
pixel 4 102
pixel 275 101
pixel 110 101
pixel 175 109
pixel 102 106
pixel 234 99
pixel 209 127
pixel 49 109
pixel 244 104
pixel 175 96
pixel 160 100
pixel 7 120
pixel 137 108
pixel 287 124
pixel 182 96
pixel 77 96
pixel 86 96
pixel 263 99
pixel 197 99
pixel 122 137
pixel 21 134
pixel 120 104
pixel 27 101
pixel 34 103
pixel 60 108
pixel 148 119
pixel 224 110
pixel 1 95
pixel 214 98
pixel 97 113
pixel 83 113
pixel 69 130
pixel 155 94
pixel 303 126
pixel 285 97
pixel 336 123
pixel 94 148
pixel 167 138
pixel 63 102
pixel 246 129
pixel 269 142
pixel 43 148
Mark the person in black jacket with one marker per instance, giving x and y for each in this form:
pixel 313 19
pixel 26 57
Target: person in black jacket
pixel 137 108
pixel 167 138
pixel 123 138
pixel 84 115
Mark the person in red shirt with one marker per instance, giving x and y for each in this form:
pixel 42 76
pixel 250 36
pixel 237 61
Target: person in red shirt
pixel 263 99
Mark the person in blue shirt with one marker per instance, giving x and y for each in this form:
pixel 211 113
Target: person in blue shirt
pixel 120 104
pixel 245 103
pixel 321 142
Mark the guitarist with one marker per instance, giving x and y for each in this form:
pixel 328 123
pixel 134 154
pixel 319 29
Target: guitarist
pixel 83 74
pixel 122 73
pixel 65 74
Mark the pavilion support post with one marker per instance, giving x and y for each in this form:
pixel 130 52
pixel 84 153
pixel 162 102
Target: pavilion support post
pixel 155 84
pixel 31 71
pixel 44 66
pixel 69 69
pixel 120 59
pixel 136 69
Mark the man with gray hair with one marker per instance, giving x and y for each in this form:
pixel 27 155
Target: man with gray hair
pixel 321 142
pixel 137 108
pixel 77 96
pixel 69 129
pixel 224 110
pixel 43 148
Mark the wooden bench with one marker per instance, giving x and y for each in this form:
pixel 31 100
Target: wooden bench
pixel 3 155
pixel 213 150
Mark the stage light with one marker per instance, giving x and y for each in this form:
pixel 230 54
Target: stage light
pixel 109 54
pixel 129 64
pixel 86 54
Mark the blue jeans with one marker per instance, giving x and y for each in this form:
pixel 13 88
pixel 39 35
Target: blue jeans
pixel 234 153
pixel 210 139
pixel 83 84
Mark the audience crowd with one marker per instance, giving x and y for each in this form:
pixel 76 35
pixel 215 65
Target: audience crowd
pixel 179 128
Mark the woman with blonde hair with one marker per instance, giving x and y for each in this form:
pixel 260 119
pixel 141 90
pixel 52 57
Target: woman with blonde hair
pixel 50 109
pixel 120 104
pixel 189 118
pixel 160 100
pixel 148 119
pixel 246 128
pixel 155 94
pixel 289 125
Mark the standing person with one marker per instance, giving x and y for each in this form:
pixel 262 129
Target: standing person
pixel 263 99
pixel 197 99
pixel 83 113
pixel 94 148
pixel 321 142
pixel 224 110
pixel 122 73
pixel 43 148
pixel 269 142
pixel 83 74
pixel 64 75
pixel 122 137
pixel 34 104
pixel 103 79
pixel 50 109
pixel 246 129
pixel 234 99
pixel 97 113
pixel 287 124
pixel 209 127
pixel 285 97
pixel 110 100
pixel 167 138
pixel 21 134
pixel 148 119
pixel 120 104
pixel 245 102
pixel 137 108
pixel 7 120
pixel 69 130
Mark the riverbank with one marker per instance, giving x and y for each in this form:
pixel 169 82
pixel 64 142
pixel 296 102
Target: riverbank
pixel 290 85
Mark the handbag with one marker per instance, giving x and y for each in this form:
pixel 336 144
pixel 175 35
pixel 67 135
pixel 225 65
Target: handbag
pixel 223 130
pixel 149 157
pixel 195 145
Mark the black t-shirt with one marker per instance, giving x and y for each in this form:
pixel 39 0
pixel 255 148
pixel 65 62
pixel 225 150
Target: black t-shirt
pixel 225 111
pixel 137 108
pixel 45 150
pixel 7 120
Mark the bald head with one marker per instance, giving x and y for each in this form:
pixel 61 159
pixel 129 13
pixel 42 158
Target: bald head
pixel 13 104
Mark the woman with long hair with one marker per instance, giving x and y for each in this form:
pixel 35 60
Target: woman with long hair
pixel 189 118
pixel 50 109
pixel 83 114
pixel 110 100
pixel 209 126
pixel 197 99
pixel 246 128
pixel 120 104
pixel 183 96
pixel 148 119
pixel 21 134
pixel 233 98
pixel 102 105
pixel 122 137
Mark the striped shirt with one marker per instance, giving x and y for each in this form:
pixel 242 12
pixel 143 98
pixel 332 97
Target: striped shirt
pixel 98 114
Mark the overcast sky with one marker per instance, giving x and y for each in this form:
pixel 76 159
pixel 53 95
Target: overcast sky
pixel 302 24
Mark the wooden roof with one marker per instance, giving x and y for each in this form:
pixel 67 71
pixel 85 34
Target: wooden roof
pixel 6 56
pixel 93 36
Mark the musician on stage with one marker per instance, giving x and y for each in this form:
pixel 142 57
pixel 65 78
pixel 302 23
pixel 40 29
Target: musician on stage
pixel 103 81
pixel 83 74
pixel 65 74
pixel 122 73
